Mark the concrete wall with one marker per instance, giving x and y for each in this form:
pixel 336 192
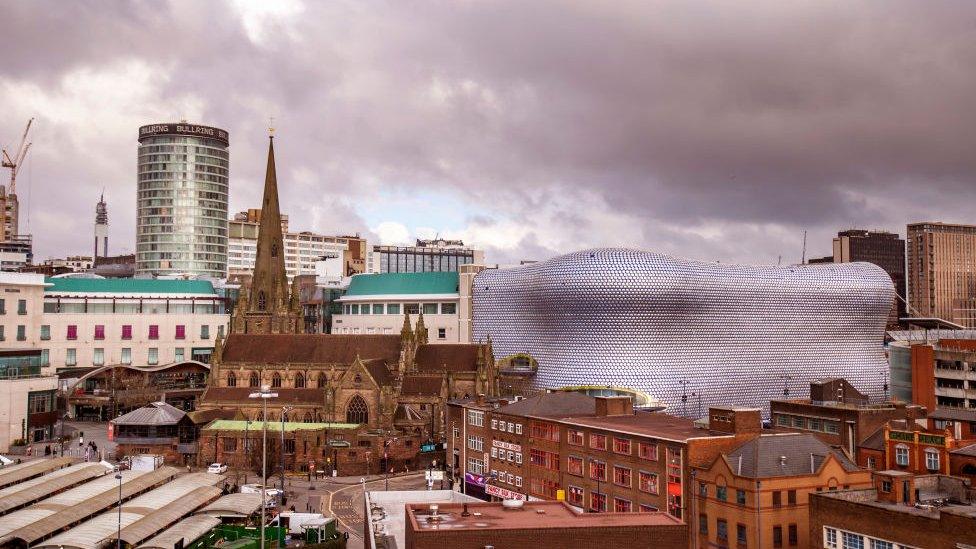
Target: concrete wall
pixel 13 405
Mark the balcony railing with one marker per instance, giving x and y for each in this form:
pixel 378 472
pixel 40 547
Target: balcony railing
pixel 122 439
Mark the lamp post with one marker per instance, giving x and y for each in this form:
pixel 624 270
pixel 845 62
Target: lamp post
pixel 119 534
pixel 284 410
pixel 247 450
pixel 264 394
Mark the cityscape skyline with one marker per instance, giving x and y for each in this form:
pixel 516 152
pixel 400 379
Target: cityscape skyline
pixel 462 141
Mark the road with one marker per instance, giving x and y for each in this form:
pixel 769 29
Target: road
pixel 342 498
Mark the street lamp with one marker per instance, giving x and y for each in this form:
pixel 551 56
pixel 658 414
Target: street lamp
pixel 119 535
pixel 247 450
pixel 284 410
pixel 264 394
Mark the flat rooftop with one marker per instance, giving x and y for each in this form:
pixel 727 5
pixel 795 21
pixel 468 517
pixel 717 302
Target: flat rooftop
pixel 387 510
pixel 651 424
pixel 532 515
pixel 869 498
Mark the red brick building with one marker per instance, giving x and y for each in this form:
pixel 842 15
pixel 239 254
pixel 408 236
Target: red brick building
pixel 886 515
pixel 537 524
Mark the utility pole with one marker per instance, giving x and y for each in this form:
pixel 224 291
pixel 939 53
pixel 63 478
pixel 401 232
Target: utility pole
pixel 264 394
pixel 284 410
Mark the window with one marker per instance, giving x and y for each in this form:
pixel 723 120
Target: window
pixel 353 309
pixel 542 458
pixel 442 333
pixel 574 495
pixel 794 535
pixel 22 306
pixel 476 443
pixel 598 470
pixel 931 454
pixel 430 308
pixel 575 438
pixel 321 382
pixel 880 544
pixel 205 331
pixel 290 446
pixel 647 482
pixel 3 306
pixel 799 422
pixel 494 424
pixel 853 541
pixel 230 444
pixel 178 354
pixel 703 489
pixel 153 356
pixel 127 331
pixel 740 534
pixel 830 538
pixel 791 497
pixel 720 493
pixel 448 308
pixel 722 530
pixel 392 308
pixel 621 476
pixel 21 332
pixel 299 381
pixel 598 502
pixel 357 411
pixel 494 453
pixel 476 418
pixel 777 536
pixel 782 420
pixel 2 336
pixel 518 428
pixel 252 380
pixel 180 331
pixel 703 524
pixel 276 380
pixel 872 463
pixel 647 451
pixel 126 355
pixel 518 458
pixel 621 505
pixel 886 486
pixel 621 446
pixel 377 308
pixel 574 465
pixel 777 498
pixel 518 483
pixel 153 331
pixel 545 431
pixel 231 379
pixel 598 441
pixel 72 332
pixel 901 455
pixel 740 497
pixel 71 357
pixel 543 487
pixel 98 357
pixel 45 332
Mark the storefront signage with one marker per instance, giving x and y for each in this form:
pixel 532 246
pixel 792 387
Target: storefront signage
pixel 184 129
pixel 503 493
pixel 506 445
pixel 901 435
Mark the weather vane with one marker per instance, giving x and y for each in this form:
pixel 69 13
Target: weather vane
pixel 271 126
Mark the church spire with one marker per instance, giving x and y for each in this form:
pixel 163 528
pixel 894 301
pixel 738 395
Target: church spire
pixel 269 267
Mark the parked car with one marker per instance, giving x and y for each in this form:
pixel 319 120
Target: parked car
pixel 217 468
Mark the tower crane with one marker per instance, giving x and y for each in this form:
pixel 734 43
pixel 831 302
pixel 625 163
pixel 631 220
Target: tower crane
pixel 17 160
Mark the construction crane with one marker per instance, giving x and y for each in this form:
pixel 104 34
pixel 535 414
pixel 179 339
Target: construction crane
pixel 17 160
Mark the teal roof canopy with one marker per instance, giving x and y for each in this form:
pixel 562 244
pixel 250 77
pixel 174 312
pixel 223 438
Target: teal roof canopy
pixel 403 283
pixel 128 285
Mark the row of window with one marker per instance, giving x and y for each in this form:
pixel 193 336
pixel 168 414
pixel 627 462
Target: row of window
pixel 395 308
pixel 300 382
pixel 135 307
pixel 842 539
pixel 808 423
pixel 98 356
pixel 624 446
pixel 513 456
pixel 21 333
pixel 508 478
pixel 99 332
pixel 21 306
pixel 575 495
pixel 742 532
pixel 441 332
pixel 722 494
pixel 622 476
pixel 903 457
pixel 503 426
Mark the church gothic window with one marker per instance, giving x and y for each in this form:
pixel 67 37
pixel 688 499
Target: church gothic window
pixel 357 411
pixel 253 381
pixel 276 380
pixel 274 249
pixel 231 380
pixel 299 381
pixel 321 381
pixel 308 417
pixel 262 301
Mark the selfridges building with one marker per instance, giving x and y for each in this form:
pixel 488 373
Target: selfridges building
pixel 630 321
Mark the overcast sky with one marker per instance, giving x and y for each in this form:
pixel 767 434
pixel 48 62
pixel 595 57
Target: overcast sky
pixel 712 130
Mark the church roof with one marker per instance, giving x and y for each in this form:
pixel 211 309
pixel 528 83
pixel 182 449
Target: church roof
pixel 402 284
pixel 311 348
pixel 448 357
pixel 381 374
pixel 414 385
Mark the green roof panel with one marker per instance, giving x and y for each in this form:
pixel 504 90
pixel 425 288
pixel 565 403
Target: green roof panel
pixel 128 285
pixel 404 283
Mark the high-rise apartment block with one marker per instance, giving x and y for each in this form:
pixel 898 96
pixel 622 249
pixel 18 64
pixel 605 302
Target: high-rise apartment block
pixel 427 256
pixel 885 250
pixel 181 222
pixel 942 271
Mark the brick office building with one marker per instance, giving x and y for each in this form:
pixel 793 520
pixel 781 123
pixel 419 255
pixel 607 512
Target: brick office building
pixel 537 524
pixel 596 453
pixel 756 494
pixel 838 414
pixel 886 515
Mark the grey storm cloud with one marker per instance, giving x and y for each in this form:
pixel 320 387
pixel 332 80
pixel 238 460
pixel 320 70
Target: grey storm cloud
pixel 716 130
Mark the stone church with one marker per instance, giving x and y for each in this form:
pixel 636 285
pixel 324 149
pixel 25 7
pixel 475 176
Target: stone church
pixel 393 383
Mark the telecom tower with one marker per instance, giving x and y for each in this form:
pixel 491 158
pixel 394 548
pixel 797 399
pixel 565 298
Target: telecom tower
pixel 101 227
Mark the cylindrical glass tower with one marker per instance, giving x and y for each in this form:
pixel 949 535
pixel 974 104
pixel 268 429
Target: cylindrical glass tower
pixel 181 217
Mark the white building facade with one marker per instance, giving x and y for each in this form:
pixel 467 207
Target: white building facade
pixel 377 303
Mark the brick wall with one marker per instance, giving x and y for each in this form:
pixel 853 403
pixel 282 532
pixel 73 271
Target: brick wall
pixel 659 537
